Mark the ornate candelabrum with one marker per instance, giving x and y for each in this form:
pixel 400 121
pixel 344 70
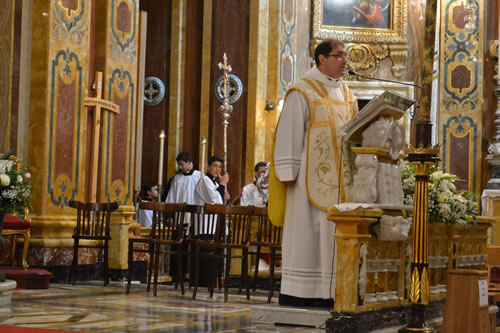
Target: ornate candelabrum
pixel 226 108
pixel 422 156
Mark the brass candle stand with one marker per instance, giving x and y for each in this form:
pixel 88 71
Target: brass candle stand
pixel 422 157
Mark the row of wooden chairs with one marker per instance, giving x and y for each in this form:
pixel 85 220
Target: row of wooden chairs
pixel 212 232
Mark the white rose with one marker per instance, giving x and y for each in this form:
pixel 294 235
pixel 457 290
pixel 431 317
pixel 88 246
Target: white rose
pixel 4 180
pixel 19 179
pixel 27 175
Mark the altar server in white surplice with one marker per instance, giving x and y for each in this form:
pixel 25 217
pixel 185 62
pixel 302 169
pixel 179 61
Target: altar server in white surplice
pixel 183 185
pixel 211 187
pixel 308 159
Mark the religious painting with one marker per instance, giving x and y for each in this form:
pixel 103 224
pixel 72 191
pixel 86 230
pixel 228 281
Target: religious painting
pixel 360 20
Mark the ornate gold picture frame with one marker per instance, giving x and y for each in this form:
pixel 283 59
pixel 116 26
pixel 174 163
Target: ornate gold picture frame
pixel 363 21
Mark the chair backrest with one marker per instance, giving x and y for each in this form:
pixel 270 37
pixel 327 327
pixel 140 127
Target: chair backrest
pixel 234 223
pixel 213 222
pixel 267 232
pixel 168 219
pixel 493 252
pixel 194 216
pixel 92 218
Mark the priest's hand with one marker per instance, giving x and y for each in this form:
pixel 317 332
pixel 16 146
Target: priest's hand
pixel 227 196
pixel 224 179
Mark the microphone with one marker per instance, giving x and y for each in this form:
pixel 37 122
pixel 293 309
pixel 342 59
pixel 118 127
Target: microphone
pixel 384 80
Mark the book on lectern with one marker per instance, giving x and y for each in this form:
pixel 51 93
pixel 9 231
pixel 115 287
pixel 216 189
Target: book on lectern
pixel 386 104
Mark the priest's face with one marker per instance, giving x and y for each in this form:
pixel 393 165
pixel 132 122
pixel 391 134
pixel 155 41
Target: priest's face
pixel 184 166
pixel 215 169
pixel 335 64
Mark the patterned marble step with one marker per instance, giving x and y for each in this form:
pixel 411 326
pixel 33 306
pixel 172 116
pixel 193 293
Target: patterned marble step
pixel 31 278
pixel 289 316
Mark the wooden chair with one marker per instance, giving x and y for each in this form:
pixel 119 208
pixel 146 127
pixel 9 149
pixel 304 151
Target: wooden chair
pixel 167 229
pixel 194 214
pixel 493 252
pixel 15 227
pixel 232 231
pixel 268 236
pixel 91 231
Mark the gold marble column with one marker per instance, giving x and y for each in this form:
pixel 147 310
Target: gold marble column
pixel 57 124
pixel 117 40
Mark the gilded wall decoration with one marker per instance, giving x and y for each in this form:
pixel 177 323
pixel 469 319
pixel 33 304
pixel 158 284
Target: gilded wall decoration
pixel 288 45
pixel 365 58
pixel 461 104
pixel 68 20
pixel 123 23
pixel 118 145
pixel 117 155
pixel 65 116
pixel 460 135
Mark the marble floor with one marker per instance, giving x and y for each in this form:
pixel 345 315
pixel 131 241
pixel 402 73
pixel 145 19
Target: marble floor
pixel 90 307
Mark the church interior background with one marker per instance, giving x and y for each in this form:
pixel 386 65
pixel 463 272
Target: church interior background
pixel 159 61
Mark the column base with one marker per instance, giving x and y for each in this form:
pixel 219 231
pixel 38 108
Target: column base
pixel 367 321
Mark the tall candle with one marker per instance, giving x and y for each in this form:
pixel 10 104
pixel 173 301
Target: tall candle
pixel 160 166
pixel 203 144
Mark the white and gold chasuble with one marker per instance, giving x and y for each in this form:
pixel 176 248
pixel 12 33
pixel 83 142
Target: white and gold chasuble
pixel 323 181
pixel 308 151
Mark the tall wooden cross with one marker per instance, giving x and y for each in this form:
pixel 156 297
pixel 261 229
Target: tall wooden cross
pixel 98 103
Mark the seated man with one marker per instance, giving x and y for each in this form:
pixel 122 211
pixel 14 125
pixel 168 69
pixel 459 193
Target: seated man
pixel 145 217
pixel 183 184
pixel 211 187
pixel 250 195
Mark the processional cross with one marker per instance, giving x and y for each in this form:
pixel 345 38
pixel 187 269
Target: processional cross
pixel 98 103
pixel 226 108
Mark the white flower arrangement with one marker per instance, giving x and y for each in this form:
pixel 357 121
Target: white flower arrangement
pixel 15 189
pixel 446 204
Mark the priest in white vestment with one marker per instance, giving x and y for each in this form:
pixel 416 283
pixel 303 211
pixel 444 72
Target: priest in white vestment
pixel 308 159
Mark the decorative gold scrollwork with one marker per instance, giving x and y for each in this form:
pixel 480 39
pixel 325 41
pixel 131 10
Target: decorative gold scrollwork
pixel 366 58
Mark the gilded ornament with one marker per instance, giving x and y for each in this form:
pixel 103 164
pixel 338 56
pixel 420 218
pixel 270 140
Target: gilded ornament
pixel 494 49
pixel 398 55
pixel 414 286
pixel 425 290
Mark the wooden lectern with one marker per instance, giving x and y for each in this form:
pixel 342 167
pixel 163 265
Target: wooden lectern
pixel 466 307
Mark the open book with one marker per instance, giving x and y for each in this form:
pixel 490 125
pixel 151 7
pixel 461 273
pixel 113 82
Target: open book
pixel 385 105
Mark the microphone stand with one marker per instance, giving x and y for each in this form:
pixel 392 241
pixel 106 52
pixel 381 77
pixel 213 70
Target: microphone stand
pixel 384 80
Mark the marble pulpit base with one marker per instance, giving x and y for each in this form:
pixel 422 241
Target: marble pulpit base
pixel 6 288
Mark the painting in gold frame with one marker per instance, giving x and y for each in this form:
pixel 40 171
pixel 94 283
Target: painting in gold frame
pixel 365 21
